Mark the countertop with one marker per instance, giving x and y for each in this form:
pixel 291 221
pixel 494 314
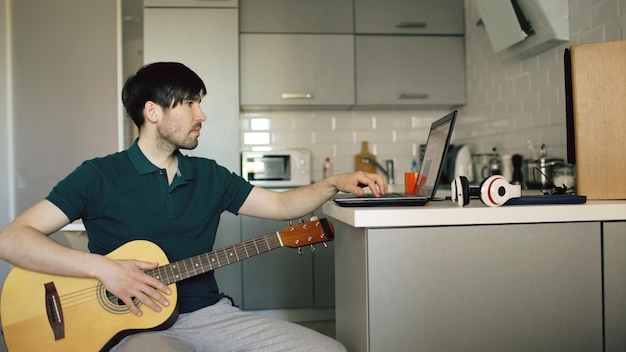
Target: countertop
pixel 444 212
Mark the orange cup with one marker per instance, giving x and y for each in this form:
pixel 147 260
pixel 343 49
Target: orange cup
pixel 413 182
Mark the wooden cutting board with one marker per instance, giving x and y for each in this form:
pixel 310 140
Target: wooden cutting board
pixel 599 111
pixel 359 165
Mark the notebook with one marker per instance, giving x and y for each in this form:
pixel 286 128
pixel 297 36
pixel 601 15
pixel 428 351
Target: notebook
pixel 547 199
pixel 434 155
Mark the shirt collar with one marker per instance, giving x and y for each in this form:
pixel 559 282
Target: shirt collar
pixel 144 166
pixel 139 160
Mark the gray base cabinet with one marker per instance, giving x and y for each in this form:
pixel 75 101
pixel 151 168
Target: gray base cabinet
pixel 283 279
pixel 526 287
pixel 615 286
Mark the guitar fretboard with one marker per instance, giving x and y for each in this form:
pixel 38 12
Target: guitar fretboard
pixel 200 264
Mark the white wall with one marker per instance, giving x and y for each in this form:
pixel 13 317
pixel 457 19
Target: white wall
pixel 65 89
pixel 508 103
pixel 58 94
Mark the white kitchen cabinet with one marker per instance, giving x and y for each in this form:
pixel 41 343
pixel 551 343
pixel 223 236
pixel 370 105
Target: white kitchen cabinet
pixel 410 70
pixel 614 245
pixel 296 16
pixel 297 70
pixel 190 3
pixel 410 16
pixel 206 40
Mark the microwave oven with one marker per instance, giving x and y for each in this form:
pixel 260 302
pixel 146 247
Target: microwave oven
pixel 277 168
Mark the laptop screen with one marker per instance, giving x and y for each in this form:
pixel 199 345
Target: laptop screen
pixel 435 153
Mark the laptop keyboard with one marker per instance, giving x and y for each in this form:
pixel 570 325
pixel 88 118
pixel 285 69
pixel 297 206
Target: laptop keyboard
pixel 394 195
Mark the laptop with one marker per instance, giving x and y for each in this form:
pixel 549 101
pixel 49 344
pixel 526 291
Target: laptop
pixel 432 164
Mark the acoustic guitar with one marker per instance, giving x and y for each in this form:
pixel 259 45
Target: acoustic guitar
pixel 42 312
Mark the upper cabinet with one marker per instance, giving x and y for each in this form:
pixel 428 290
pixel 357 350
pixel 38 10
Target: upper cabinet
pixel 296 70
pixel 343 53
pixel 410 53
pixel 296 53
pixel 296 16
pixel 410 16
pixel 410 70
pixel 190 3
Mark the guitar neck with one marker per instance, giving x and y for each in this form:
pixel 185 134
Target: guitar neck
pixel 200 264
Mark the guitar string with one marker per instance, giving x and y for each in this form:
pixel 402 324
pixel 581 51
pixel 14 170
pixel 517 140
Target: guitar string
pixel 270 242
pixel 85 295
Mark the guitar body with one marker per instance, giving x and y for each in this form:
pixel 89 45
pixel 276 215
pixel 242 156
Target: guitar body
pixel 82 316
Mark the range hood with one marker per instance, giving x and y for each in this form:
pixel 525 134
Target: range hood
pixel 523 28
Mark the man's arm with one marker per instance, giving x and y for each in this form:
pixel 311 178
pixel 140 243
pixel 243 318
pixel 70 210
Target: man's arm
pixel 300 201
pixel 25 243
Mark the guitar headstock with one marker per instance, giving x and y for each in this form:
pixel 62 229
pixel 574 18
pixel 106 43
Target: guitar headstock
pixel 307 233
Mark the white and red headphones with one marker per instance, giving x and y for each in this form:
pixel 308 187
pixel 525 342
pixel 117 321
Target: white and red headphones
pixel 494 191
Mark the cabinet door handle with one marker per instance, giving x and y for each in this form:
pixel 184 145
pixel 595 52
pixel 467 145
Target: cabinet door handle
pixel 297 96
pixel 404 96
pixel 410 24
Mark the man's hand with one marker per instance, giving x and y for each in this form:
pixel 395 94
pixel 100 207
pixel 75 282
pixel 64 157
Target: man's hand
pixel 356 181
pixel 126 280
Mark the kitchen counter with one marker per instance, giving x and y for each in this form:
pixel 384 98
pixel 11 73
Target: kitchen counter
pixel 444 212
pixel 511 278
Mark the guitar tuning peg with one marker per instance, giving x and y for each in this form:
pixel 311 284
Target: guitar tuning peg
pixel 289 223
pixel 325 245
pixel 300 250
pixel 301 221
pixel 313 218
pixel 312 249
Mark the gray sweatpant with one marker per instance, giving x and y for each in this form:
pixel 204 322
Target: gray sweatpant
pixel 222 328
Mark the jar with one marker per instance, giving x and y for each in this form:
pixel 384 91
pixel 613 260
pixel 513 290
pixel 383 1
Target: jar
pixel 564 175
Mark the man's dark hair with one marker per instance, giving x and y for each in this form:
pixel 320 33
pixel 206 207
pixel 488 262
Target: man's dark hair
pixel 165 83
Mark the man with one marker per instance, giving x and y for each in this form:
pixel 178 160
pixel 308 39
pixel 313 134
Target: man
pixel 152 191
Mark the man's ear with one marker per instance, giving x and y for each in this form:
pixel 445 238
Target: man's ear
pixel 152 111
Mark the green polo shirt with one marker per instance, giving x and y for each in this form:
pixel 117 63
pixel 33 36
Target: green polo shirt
pixel 124 197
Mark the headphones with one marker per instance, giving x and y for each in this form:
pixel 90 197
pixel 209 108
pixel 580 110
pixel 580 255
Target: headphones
pixel 494 191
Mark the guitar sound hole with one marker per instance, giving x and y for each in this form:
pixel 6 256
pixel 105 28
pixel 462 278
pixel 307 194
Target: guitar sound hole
pixel 111 302
pixel 116 300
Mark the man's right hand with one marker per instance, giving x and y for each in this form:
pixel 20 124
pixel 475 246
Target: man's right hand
pixel 127 281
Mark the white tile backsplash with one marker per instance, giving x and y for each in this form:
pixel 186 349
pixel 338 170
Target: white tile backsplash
pixel 509 102
pixel 338 134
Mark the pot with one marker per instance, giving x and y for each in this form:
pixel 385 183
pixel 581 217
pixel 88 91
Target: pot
pixel 539 173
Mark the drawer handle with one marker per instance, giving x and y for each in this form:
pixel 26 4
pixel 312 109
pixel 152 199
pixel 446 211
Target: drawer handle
pixel 404 96
pixel 297 96
pixel 411 25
